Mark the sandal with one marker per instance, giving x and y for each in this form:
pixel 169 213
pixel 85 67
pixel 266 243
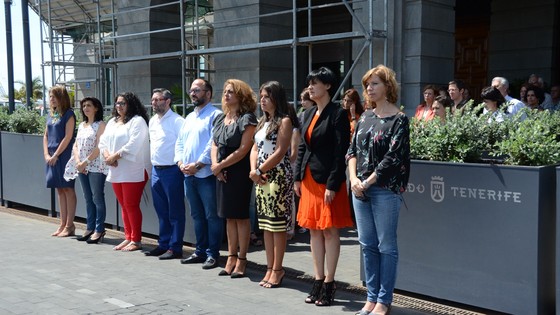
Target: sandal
pixel 133 246
pixel 270 285
pixel 255 240
pixel 266 276
pixel 121 245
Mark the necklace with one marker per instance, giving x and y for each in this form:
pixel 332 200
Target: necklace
pixel 231 119
pixel 55 117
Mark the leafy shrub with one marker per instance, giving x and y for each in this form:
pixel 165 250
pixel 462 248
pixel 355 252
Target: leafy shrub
pixel 26 121
pixel 4 118
pixel 469 137
pixel 533 141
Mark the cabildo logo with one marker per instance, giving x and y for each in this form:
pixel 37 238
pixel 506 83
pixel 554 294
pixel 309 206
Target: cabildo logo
pixel 437 189
pixel 438 192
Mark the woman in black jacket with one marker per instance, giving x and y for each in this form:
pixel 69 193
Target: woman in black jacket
pixel 320 181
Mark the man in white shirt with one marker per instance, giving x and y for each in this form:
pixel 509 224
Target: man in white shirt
pixel 168 192
pixel 192 155
pixel 502 84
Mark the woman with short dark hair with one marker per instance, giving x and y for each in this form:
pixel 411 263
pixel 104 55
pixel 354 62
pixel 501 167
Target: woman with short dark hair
pixel 320 181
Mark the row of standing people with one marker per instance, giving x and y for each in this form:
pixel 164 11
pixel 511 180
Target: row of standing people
pixel 223 154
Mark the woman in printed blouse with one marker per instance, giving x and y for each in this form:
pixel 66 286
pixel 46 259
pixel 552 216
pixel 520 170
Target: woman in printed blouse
pixel 232 141
pixel 320 181
pixel 57 150
pixel 90 168
pixel 378 166
pixel 126 149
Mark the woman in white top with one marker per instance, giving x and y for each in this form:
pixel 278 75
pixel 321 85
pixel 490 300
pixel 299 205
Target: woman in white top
pixel 87 164
pixel 126 149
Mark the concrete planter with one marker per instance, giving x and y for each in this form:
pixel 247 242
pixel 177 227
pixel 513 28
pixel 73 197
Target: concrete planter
pixel 481 235
pixel 557 241
pixel 23 170
pixel 23 181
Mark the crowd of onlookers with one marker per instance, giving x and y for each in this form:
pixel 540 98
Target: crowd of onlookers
pixel 497 101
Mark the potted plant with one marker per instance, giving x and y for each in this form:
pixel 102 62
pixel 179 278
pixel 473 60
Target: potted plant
pixel 475 231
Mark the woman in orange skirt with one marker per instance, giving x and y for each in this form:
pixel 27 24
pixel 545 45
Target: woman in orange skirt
pixel 320 181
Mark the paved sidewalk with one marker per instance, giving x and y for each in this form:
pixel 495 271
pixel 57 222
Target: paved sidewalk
pixel 41 274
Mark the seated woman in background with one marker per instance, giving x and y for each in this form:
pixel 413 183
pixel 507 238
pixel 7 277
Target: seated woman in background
pixel 535 97
pixel 439 107
pixel 494 101
pixel 523 93
pixel 353 105
pixel 424 111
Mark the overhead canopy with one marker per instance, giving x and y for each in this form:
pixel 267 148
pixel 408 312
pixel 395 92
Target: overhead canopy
pixel 70 14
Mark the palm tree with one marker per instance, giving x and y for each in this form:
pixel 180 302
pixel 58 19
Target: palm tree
pixel 36 87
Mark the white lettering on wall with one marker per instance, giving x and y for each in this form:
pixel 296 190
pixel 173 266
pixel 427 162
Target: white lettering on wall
pixel 438 188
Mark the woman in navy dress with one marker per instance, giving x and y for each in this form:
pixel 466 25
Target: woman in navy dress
pixel 57 150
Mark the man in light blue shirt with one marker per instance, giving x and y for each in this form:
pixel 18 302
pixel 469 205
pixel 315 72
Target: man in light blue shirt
pixel 192 155
pixel 168 193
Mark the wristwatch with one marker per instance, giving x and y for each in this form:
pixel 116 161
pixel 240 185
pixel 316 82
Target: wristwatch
pixel 258 172
pixel 197 166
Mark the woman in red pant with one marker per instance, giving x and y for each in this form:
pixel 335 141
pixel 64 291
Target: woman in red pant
pixel 126 150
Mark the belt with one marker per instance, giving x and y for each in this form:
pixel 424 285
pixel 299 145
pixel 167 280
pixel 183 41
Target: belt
pixel 162 167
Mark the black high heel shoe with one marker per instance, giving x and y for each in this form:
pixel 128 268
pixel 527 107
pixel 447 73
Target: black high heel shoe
pixel 270 285
pixel 237 274
pixel 85 237
pixel 97 240
pixel 327 298
pixel 315 291
pixel 225 272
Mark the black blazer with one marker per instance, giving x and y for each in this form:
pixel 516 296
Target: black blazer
pixel 325 154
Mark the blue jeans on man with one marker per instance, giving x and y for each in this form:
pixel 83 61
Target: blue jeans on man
pixel 169 201
pixel 208 227
pixel 93 186
pixel 377 217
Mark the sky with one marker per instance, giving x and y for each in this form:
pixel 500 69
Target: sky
pixel 17 43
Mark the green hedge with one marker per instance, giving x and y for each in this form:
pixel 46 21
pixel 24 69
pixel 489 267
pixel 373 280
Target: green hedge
pixel 528 138
pixel 22 121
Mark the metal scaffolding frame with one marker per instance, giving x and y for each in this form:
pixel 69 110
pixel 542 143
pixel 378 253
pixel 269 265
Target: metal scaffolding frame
pixel 92 25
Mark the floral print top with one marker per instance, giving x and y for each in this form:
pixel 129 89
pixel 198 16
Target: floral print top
pixel 382 145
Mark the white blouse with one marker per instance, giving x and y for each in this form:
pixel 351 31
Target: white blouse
pixel 85 143
pixel 131 141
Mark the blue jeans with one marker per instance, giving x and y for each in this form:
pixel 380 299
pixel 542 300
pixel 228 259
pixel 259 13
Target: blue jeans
pixel 208 227
pixel 377 218
pixel 93 185
pixel 169 201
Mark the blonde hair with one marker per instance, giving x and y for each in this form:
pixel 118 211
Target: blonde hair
pixel 389 79
pixel 61 95
pixel 246 96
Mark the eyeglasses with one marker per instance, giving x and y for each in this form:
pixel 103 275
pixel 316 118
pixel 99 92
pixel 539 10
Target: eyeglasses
pixel 121 104
pixel 158 99
pixel 196 91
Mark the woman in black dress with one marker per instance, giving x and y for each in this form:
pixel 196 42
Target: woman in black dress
pixel 233 138
pixel 57 150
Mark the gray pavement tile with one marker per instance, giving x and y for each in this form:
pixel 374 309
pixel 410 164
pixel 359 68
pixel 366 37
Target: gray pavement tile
pixel 63 276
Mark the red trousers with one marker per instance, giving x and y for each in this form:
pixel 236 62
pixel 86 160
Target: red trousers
pixel 129 195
